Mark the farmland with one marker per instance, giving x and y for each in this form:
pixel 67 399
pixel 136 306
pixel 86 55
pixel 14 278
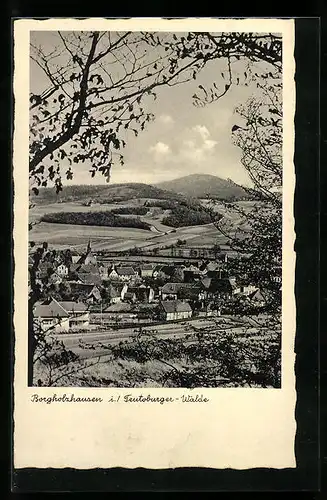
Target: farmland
pixel 114 238
pixel 120 239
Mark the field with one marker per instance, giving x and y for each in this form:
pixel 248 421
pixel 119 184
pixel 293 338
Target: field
pixel 122 239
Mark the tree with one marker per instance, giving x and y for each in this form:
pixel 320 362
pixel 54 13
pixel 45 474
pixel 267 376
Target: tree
pixel 99 84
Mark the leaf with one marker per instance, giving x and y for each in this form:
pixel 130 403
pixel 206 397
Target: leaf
pixel 235 127
pixel 227 86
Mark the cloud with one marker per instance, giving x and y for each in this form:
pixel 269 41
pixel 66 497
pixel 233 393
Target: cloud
pixel 209 144
pixel 166 119
pixel 160 151
pixel 197 145
pixel 202 131
pixel 160 148
pixel 194 145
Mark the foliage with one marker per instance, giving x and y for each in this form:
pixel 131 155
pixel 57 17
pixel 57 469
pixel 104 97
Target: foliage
pixel 187 216
pixel 130 210
pixel 210 359
pixel 94 219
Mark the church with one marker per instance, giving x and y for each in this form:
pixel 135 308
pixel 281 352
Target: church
pixel 88 257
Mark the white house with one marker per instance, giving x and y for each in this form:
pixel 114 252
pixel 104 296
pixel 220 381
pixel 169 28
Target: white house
pixel 62 270
pixel 146 270
pixel 61 316
pixel 175 309
pixel 123 273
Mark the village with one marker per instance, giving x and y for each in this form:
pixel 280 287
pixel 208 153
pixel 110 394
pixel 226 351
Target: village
pixel 85 292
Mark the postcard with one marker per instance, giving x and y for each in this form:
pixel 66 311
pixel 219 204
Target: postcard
pixel 154 309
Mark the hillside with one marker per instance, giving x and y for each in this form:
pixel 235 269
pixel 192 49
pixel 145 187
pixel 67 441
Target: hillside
pixel 199 186
pixel 101 194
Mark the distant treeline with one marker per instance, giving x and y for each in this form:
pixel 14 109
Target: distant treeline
pixel 94 219
pixel 130 210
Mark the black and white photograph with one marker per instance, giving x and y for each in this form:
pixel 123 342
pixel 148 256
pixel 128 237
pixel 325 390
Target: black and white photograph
pixel 155 209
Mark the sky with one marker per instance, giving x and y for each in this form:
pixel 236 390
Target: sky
pixel 182 140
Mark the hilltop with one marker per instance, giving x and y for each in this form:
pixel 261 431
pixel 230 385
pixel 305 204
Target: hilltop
pixel 201 185
pixel 102 194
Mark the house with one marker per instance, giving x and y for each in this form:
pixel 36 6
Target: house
pixel 88 268
pixel 156 271
pixel 144 294
pixel 94 295
pixel 79 316
pixel 175 309
pixel 257 298
pixel 89 278
pixel 103 270
pixel 125 273
pixel 112 273
pixel 120 312
pixel 51 317
pixel 247 289
pixel 165 272
pixel 174 291
pixel 55 279
pixel 116 292
pixel 223 288
pixel 130 296
pixel 62 270
pixel 146 270
pixel 63 316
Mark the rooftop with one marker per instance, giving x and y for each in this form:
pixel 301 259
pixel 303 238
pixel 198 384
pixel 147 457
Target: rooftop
pixel 172 306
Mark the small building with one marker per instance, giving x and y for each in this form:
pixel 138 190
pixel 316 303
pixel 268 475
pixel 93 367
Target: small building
pixel 63 316
pixel 79 316
pixel 223 288
pixel 103 270
pixel 116 292
pixel 257 299
pixel 125 273
pixel 55 279
pixel 62 270
pixel 88 278
pixel 146 270
pixel 120 312
pixel 181 291
pixel 143 294
pixel 248 289
pixel 94 296
pixel 175 310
